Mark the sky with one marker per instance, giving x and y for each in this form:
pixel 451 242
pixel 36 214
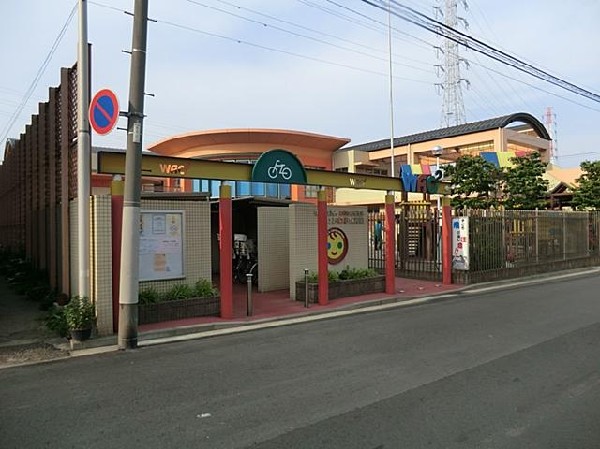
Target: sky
pixel 309 65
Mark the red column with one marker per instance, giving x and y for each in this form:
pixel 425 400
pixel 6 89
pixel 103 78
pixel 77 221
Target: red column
pixel 390 245
pixel 446 241
pixel 116 203
pixel 322 247
pixel 225 251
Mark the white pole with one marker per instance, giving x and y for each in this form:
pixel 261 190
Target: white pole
pixel 391 87
pixel 83 156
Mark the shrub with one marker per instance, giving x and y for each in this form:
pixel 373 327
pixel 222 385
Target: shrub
pixel 179 291
pixel 149 296
pixel 346 274
pixel 80 313
pixel 204 289
pixel 56 321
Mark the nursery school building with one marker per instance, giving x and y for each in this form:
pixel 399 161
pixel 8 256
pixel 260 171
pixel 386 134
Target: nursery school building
pixel 292 201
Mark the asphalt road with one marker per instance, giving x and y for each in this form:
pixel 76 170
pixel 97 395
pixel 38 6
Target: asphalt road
pixel 519 368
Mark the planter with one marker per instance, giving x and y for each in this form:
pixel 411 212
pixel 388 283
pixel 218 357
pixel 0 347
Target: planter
pixel 81 334
pixel 178 309
pixel 342 289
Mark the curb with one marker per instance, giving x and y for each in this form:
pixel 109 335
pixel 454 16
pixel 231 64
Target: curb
pixel 195 332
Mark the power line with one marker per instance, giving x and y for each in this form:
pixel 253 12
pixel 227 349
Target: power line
pixel 296 34
pixel 38 76
pixel 267 48
pixel 408 14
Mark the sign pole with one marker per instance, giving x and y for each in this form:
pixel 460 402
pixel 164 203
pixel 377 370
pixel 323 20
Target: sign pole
pixel 130 243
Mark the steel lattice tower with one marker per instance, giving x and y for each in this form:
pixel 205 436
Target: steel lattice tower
pixel 453 107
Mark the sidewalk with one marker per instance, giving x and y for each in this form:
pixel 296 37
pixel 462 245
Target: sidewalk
pixel 270 309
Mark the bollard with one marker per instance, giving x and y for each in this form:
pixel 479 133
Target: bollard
pixel 306 288
pixel 249 308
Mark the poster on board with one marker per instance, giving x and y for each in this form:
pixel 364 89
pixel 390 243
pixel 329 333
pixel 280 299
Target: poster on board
pixel 161 245
pixel 460 243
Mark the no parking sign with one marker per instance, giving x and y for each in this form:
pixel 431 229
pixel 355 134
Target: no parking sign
pixel 104 111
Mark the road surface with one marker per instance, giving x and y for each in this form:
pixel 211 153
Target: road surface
pixel 517 368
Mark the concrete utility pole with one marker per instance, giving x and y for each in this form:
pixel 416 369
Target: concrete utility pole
pixel 130 242
pixel 83 156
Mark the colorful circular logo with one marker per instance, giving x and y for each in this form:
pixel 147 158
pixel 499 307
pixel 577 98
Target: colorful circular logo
pixel 337 245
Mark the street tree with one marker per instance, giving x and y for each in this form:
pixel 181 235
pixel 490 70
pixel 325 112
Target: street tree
pixel 475 183
pixel 524 186
pixel 587 194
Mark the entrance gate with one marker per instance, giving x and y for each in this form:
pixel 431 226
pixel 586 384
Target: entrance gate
pixel 418 241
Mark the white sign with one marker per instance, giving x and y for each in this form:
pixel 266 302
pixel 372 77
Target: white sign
pixel 460 243
pixel 161 245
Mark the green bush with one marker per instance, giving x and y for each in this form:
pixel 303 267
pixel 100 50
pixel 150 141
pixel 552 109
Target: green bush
pixel 56 321
pixel 149 296
pixel 346 274
pixel 80 313
pixel 204 289
pixel 179 291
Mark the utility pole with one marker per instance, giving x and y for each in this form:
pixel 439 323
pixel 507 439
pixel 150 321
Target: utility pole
pixel 130 242
pixel 391 86
pixel 83 156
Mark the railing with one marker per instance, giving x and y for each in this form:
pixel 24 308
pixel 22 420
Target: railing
pixel 509 243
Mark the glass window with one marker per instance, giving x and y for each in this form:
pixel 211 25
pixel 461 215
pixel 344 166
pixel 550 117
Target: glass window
pixel 257 188
pixel 205 185
pixel 285 191
pixel 272 190
pixel 214 188
pixel 242 188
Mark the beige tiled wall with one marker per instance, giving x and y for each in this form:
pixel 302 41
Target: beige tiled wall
pixel 73 247
pixel 303 239
pixel 273 248
pixel 197 243
pixel 303 242
pixel 101 268
pixel 357 233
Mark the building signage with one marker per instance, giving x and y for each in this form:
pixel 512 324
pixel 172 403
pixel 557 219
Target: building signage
pixel 422 183
pixel 279 166
pixel 460 243
pixel 161 245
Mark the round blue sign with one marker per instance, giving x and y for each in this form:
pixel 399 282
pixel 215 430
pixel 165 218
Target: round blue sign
pixel 104 111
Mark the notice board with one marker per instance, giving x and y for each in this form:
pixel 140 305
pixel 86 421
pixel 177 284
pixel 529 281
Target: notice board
pixel 161 245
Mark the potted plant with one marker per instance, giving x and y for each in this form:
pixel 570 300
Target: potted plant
pixel 80 313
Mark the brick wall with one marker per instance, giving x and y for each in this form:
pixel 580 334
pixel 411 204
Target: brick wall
pixel 273 248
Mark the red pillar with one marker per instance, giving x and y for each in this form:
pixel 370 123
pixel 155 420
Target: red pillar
pixel 116 203
pixel 225 251
pixel 446 242
pixel 322 247
pixel 390 245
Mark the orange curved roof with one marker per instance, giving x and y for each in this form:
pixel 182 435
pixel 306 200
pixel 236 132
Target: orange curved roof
pixel 214 142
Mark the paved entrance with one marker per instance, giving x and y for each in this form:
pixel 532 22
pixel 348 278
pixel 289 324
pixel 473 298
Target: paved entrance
pixel 277 304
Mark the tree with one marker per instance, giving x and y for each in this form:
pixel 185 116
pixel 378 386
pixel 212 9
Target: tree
pixel 524 186
pixel 475 183
pixel 587 194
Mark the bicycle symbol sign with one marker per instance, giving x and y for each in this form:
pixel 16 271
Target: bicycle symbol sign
pixel 279 166
pixel 279 169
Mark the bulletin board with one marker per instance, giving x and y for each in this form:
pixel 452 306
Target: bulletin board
pixel 161 245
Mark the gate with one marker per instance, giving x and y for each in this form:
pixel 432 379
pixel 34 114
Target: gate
pixel 418 241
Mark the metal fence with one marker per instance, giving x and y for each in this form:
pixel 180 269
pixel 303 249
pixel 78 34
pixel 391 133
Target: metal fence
pixel 505 244
pixel 417 252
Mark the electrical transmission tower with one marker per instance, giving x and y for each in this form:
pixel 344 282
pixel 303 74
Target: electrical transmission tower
pixel 550 122
pixel 453 107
